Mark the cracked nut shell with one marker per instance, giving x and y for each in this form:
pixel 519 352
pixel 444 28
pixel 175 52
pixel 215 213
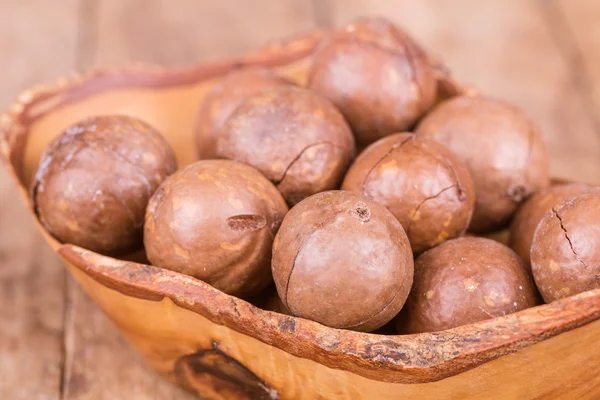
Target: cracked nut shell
pixel 531 213
pixel 224 97
pixel 95 180
pixel 565 253
pixel 377 76
pixel 342 260
pixel 503 150
pixel 421 182
pixel 215 220
pixel 295 137
pixel 463 281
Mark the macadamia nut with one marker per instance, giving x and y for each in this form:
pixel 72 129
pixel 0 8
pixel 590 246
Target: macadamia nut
pixel 95 180
pixel 342 260
pixel 215 220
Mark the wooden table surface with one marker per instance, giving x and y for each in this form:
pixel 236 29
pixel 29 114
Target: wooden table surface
pixel 54 342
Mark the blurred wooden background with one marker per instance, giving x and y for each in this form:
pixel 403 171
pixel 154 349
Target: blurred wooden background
pixel 54 342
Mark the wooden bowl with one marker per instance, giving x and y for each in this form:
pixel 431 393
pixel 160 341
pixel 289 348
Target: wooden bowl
pixel 222 347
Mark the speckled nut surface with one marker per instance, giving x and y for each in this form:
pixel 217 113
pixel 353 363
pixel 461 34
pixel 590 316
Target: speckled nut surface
pixel 565 254
pixel 421 182
pixel 295 137
pixel 224 97
pixel 215 220
pixel 465 280
pixel 342 260
pixel 531 212
pixel 377 76
pixel 95 179
pixel 506 155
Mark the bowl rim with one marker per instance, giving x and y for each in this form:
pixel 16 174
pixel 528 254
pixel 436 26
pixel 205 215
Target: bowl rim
pixel 417 358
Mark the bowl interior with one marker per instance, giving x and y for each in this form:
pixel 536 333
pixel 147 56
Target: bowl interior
pixel 169 106
pixel 169 99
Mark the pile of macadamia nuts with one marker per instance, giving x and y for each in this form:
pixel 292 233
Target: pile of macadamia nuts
pixel 354 240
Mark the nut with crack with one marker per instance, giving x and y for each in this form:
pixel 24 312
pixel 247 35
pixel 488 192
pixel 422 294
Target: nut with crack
pixel 505 154
pixel 336 247
pixel 565 253
pixel 295 137
pixel 94 182
pixel 421 182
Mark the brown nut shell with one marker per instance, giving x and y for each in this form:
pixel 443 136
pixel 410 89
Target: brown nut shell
pixel 342 260
pixel 531 213
pixel 295 137
pixel 463 281
pixel 275 304
pixel 565 253
pixel 224 97
pixel 421 182
pixel 95 180
pixel 503 150
pixel 377 76
pixel 215 220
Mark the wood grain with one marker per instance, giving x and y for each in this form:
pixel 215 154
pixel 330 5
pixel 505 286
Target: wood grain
pixel 561 367
pixel 31 276
pixel 164 335
pixel 510 49
pixel 99 363
pixel 505 49
pixel 574 25
pixel 31 304
pixel 187 31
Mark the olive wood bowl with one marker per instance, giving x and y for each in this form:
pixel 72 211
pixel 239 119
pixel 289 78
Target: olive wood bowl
pixel 221 347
